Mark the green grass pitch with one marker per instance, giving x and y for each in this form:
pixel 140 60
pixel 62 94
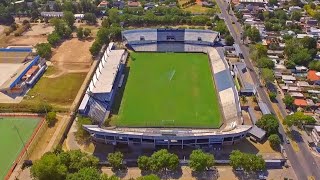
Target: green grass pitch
pixel 12 132
pixel 171 90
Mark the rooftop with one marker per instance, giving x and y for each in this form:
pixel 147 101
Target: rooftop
pixel 313 75
pixel 300 102
pixel 107 75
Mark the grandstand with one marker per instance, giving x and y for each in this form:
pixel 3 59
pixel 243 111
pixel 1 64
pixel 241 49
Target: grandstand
pixel 19 69
pixel 169 40
pixel 181 40
pixel 101 91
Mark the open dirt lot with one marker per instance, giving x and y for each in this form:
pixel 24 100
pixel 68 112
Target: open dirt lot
pixel 72 56
pixel 39 29
pixel 26 40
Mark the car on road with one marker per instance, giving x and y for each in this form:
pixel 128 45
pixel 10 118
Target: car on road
pixel 232 22
pixel 287 141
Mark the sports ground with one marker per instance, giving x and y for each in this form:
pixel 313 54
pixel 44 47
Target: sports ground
pixel 169 90
pixel 14 132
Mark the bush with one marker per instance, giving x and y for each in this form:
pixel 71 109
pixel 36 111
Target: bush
pixel 82 135
pixel 274 140
pixel 80 32
pixel 54 38
pixel 86 32
pixel 115 160
pixel 95 48
pixel 44 50
pixel 51 118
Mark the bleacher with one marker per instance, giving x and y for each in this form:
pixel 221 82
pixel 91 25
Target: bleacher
pixel 167 40
pixel 164 35
pixel 140 36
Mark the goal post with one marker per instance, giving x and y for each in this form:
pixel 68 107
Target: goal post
pixel 166 123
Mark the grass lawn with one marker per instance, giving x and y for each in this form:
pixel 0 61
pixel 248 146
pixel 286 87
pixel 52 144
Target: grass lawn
pixel 169 89
pixel 12 132
pixel 59 91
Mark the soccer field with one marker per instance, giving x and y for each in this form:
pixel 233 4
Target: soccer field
pixel 169 90
pixel 14 131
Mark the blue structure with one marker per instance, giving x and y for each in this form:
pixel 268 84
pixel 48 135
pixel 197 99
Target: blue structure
pixel 103 87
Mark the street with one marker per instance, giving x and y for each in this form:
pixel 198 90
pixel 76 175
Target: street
pixel 303 161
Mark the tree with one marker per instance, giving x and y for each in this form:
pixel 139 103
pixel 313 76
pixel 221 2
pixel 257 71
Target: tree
pixel 44 50
pixel 144 163
pixel 85 174
pixel 54 38
pixel 149 177
pixel 81 134
pixel 258 51
pixel 103 35
pixel 115 160
pixel 76 160
pixel 162 160
pixel 295 15
pixel 269 123
pixel 267 75
pixel 200 161
pixel 272 96
pixel 289 101
pixel 90 18
pixel 68 16
pixel 249 162
pixel 274 140
pixel 48 167
pixel 303 57
pixel 86 32
pixel 299 119
pixel 51 118
pixel 95 47
pixel 229 40
pixel 265 62
pixel 80 32
pixel 253 33
pixel 314 65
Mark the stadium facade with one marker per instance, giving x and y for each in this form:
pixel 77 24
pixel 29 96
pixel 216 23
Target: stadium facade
pixel 103 86
pixel 167 40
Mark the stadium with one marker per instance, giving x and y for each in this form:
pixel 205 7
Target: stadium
pixel 176 90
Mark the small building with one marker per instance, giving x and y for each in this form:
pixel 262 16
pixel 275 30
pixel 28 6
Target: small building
pixel 51 14
pixel 315 135
pixel 134 4
pixel 300 103
pixel 257 133
pixel 314 77
pixel 264 108
pixel 103 4
pixel 288 78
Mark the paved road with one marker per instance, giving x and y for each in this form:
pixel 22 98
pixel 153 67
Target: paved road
pixel 302 162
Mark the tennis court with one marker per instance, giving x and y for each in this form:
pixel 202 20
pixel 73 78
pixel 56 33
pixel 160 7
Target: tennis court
pixel 14 133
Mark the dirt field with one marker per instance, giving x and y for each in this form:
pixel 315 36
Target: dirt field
pixel 26 40
pixel 72 56
pixel 39 29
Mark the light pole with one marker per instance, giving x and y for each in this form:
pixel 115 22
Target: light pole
pixel 24 145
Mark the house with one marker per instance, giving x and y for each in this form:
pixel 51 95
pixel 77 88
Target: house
pixel 294 8
pixel 314 77
pixel 315 135
pixel 288 78
pixel 134 3
pixel 300 102
pixel 150 5
pixel 103 4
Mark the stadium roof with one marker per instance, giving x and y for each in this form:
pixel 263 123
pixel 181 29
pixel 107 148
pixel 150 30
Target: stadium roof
pixel 257 132
pixel 264 108
pixel 107 75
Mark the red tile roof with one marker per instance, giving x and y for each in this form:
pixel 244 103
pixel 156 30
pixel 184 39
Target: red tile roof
pixel 312 76
pixel 300 102
pixel 103 4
